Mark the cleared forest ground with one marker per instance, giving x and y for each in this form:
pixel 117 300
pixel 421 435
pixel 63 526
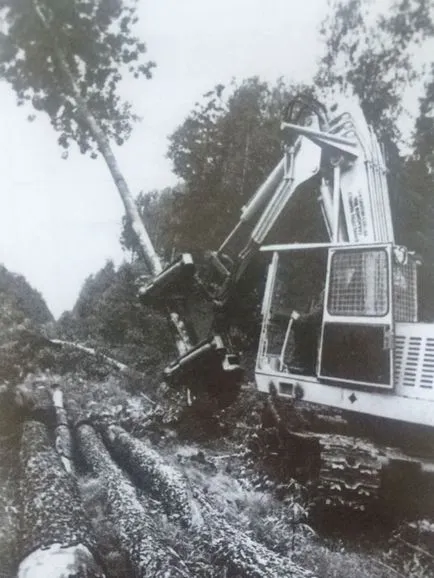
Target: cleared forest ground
pixel 163 490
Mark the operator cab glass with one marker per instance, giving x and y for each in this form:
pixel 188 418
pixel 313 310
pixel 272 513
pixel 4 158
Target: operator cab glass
pixel 358 321
pixel 330 330
pixel 293 312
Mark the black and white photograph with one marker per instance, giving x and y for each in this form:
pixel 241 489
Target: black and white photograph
pixel 216 289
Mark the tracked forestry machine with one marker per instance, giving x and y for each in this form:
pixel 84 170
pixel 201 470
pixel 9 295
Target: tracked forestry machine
pixel 360 350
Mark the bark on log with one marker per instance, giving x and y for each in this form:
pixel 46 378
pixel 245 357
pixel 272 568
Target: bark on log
pixel 62 433
pixel 236 551
pixel 56 539
pixel 9 519
pixel 137 532
pixel 228 546
pixel 151 473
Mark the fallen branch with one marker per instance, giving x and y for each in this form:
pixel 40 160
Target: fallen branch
pixel 135 528
pixel 386 567
pixel 90 351
pixel 118 365
pixel 56 539
pixel 415 547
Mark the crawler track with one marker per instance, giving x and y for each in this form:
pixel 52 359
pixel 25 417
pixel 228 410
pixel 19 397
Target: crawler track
pixel 350 473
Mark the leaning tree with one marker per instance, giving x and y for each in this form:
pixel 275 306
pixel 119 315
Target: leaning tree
pixel 67 58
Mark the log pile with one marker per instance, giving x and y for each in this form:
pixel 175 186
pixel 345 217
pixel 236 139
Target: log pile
pixel 228 546
pixel 160 480
pixel 57 539
pixel 136 530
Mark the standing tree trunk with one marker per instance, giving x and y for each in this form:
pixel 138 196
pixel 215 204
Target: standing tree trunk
pixel 56 539
pixel 182 338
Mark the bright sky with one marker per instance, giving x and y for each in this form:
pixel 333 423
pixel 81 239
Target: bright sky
pixel 60 220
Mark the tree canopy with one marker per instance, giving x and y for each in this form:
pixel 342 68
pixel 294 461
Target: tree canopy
pixel 56 52
pixel 67 58
pixel 385 58
pixel 378 52
pixel 223 151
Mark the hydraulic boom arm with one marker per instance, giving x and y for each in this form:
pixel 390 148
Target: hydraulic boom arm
pixel 343 151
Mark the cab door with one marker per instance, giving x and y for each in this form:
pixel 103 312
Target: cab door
pixel 356 343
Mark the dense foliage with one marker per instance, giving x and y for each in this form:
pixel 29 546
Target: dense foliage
pixel 377 52
pixel 55 53
pixel 22 313
pixel 109 315
pixel 20 302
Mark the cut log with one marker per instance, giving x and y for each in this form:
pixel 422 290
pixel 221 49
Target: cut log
pixel 137 532
pixel 228 546
pixel 93 352
pixel 33 401
pixel 238 553
pixel 63 437
pixel 56 539
pixel 151 473
pixel 9 518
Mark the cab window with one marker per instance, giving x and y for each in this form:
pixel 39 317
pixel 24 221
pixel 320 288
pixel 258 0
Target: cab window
pixel 358 283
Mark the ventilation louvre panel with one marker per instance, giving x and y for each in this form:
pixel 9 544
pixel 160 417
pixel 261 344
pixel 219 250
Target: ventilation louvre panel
pixel 414 361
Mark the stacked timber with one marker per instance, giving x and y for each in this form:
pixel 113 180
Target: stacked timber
pixel 229 547
pixel 56 539
pixel 159 480
pixel 136 530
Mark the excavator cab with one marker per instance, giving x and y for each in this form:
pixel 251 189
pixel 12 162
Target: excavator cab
pixel 356 335
pixel 369 289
